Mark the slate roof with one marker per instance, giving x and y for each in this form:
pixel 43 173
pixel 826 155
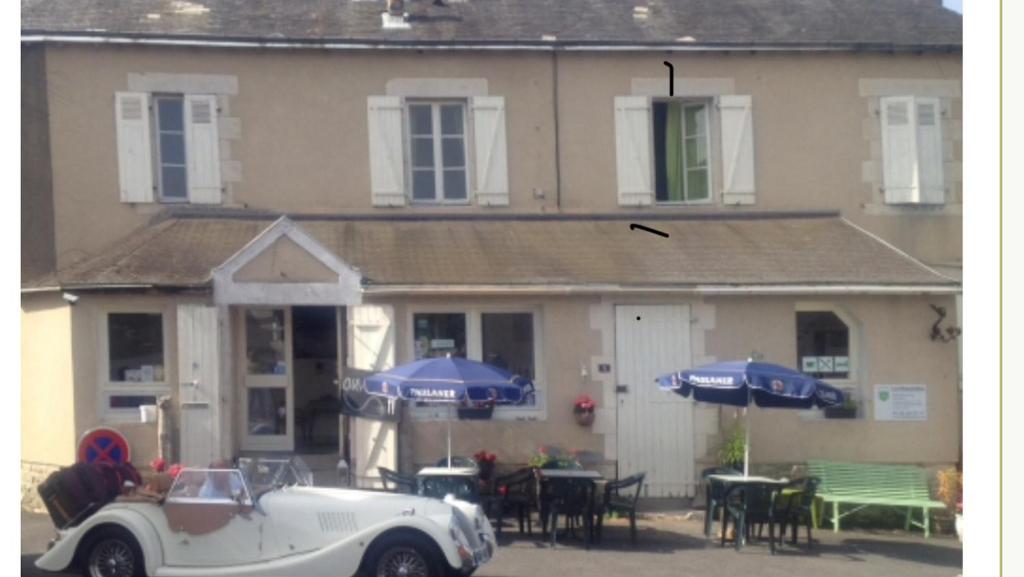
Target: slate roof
pixel 843 24
pixel 813 249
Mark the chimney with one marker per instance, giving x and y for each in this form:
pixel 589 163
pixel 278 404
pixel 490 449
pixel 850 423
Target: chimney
pixel 395 18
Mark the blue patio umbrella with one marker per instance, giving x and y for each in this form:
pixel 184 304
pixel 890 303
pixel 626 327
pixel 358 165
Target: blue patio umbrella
pixel 450 381
pixel 740 383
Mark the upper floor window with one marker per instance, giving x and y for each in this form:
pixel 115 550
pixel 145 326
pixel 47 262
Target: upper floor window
pixel 663 150
pixel 168 148
pixel 437 145
pixel 172 180
pixel 682 142
pixel 912 150
pixel 428 151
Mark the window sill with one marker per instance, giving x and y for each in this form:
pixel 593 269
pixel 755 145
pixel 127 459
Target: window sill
pixel 684 203
pixel 903 209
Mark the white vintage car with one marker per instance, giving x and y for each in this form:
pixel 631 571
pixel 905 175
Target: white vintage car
pixel 221 522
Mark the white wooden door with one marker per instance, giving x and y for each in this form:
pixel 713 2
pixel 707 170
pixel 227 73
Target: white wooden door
pixel 374 443
pixel 199 377
pixel 655 428
pixel 268 416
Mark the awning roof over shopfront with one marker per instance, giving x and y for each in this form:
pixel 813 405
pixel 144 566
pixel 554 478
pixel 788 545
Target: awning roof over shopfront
pixel 422 254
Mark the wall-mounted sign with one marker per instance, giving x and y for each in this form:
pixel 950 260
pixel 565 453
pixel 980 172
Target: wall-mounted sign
pixel 901 403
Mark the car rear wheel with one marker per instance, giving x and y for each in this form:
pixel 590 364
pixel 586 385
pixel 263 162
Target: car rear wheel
pixel 113 553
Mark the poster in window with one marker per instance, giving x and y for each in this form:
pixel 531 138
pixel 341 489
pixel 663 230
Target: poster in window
pixel 901 403
pixel 809 364
pixel 825 364
pixel 841 364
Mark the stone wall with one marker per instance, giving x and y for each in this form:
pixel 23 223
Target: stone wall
pixel 32 474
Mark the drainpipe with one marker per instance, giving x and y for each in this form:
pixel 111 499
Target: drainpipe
pixel 558 155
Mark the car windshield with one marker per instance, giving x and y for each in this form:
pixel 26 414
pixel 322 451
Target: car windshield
pixel 263 473
pixel 209 485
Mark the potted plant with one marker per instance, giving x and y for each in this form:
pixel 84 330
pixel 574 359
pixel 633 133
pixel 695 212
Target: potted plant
pixel 848 410
pixel 733 450
pixel 477 411
pixel 583 410
pixel 951 492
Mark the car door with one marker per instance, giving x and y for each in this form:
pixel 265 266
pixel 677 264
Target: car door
pixel 208 527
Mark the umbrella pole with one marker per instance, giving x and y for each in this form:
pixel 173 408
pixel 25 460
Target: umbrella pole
pixel 449 436
pixel 746 444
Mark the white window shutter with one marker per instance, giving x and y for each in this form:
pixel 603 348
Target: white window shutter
pixel 202 149
pixel 736 113
pixel 633 150
pixel 491 150
pixel 134 159
pixel 387 163
pixel 929 150
pixel 372 335
pixel 899 154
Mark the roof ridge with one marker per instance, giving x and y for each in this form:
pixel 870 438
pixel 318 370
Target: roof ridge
pixel 898 250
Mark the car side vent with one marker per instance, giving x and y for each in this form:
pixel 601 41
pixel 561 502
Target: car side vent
pixel 337 522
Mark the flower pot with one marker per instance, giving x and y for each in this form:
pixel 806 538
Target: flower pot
pixel 584 418
pixel 476 413
pixel 840 412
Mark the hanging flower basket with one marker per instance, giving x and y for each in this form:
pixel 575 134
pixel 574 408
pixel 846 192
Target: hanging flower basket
pixel 583 410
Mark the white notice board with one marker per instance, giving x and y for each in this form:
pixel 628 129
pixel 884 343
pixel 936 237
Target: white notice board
pixel 901 403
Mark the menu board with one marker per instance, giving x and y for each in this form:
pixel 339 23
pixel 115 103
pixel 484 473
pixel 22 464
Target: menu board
pixel 901 403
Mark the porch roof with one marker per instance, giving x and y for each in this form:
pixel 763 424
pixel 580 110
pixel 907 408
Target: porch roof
pixel 411 253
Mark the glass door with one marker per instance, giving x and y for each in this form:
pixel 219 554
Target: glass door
pixel 267 392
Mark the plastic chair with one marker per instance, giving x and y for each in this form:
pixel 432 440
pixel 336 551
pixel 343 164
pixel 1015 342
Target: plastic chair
pixel 621 498
pixel 750 504
pixel 517 491
pixel 400 483
pixel 799 508
pixel 714 494
pixel 573 499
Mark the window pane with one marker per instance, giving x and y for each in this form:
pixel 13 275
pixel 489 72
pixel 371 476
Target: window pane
pixel 423 152
pixel 423 185
pixel 268 411
pixel 438 334
pixel 696 120
pixel 696 152
pixel 455 184
pixel 170 114
pixel 823 344
pixel 507 342
pixel 172 148
pixel 453 153
pixel 174 183
pixel 668 151
pixel 696 185
pixel 451 119
pixel 136 347
pixel 420 121
pixel 265 342
pixel 131 401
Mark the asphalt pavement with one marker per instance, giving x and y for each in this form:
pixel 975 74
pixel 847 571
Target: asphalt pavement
pixel 671 545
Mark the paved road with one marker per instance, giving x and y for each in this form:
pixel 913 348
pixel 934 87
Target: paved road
pixel 672 546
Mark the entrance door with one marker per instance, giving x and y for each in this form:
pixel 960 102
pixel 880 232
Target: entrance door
pixel 655 428
pixel 267 393
pixel 199 372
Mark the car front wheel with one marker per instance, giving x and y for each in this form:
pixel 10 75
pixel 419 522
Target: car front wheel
pixel 403 561
pixel 113 553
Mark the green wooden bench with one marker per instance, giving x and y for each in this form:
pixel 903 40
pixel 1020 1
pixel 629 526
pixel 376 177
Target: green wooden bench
pixel 862 485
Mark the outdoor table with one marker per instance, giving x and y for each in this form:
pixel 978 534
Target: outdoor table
pixel 463 482
pixel 728 482
pixel 549 477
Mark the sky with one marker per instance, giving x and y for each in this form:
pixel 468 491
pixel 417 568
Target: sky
pixel 955 5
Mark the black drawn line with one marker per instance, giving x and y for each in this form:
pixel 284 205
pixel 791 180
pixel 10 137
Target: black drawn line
pixel 634 226
pixel 671 78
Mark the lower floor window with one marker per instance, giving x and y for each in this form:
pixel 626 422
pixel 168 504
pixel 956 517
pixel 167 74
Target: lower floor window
pixel 822 344
pixel 503 339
